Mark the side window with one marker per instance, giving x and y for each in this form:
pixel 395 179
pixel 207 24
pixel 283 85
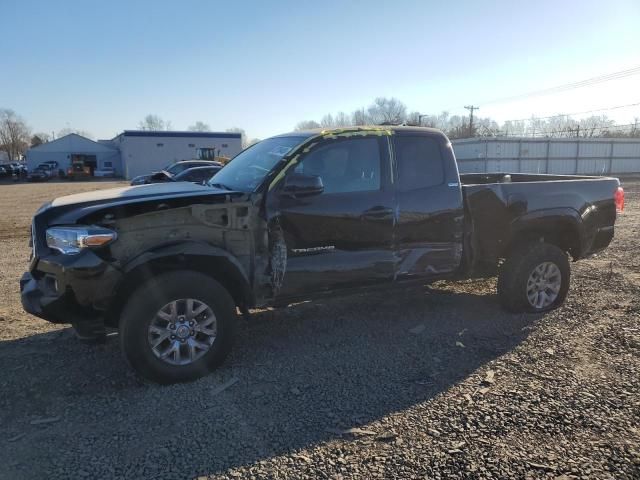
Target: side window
pixel 351 165
pixel 419 163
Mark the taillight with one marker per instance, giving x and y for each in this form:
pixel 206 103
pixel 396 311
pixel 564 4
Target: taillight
pixel 619 199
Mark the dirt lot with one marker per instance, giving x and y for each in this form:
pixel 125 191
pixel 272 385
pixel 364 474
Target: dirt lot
pixel 435 383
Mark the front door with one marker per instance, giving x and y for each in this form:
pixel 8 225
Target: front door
pixel 341 237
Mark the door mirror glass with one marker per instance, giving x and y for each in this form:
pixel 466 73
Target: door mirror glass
pixel 299 185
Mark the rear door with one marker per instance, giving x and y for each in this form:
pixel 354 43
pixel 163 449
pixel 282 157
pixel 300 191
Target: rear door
pixel 343 236
pixel 430 209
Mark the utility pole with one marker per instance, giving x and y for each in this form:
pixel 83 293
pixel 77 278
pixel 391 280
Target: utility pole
pixel 471 108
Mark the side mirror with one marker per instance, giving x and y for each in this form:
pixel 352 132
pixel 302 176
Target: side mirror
pixel 297 185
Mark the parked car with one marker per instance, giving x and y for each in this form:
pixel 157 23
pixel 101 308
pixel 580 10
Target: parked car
pixel 105 172
pixel 171 170
pixel 18 168
pixel 199 175
pixel 49 168
pixel 53 165
pixel 300 216
pixel 18 171
pixel 39 174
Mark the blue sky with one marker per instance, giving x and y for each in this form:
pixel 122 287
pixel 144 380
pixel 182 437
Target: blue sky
pixel 264 66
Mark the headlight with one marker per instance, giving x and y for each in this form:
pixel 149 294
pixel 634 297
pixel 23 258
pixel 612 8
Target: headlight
pixel 70 240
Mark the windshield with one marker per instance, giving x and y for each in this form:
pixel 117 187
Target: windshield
pixel 249 168
pixel 176 168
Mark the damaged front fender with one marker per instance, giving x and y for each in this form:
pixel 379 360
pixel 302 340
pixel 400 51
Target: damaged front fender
pixel 198 256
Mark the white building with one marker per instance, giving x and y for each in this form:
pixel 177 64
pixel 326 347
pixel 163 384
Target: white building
pixel 71 147
pixel 145 151
pixel 135 152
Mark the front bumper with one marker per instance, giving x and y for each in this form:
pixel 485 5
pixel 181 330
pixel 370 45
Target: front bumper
pixel 41 298
pixel 69 289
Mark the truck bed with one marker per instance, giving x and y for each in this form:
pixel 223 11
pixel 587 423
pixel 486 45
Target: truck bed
pixel 578 211
pixel 485 178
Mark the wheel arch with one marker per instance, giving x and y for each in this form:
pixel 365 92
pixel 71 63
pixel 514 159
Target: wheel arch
pixel 212 261
pixel 562 227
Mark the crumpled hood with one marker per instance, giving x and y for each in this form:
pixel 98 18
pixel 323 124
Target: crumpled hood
pixel 156 190
pixel 128 201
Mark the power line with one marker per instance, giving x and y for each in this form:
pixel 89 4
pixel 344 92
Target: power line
pixel 546 134
pixel 569 86
pixel 574 113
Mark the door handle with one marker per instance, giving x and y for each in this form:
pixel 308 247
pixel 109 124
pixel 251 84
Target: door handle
pixel 376 213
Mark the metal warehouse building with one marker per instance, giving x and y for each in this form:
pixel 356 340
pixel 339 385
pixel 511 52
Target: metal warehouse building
pixel 588 156
pixel 70 147
pixel 145 151
pixel 134 152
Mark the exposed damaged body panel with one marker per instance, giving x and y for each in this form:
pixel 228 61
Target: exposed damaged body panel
pixel 228 226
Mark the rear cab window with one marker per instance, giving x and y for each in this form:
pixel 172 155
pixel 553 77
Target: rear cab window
pixel 419 162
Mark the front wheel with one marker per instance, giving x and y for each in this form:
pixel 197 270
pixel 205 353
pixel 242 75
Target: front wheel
pixel 534 278
pixel 177 327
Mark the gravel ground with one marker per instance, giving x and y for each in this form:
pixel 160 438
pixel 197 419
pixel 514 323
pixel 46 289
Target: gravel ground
pixel 430 383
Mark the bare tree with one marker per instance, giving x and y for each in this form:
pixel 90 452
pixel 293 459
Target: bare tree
pixel 393 111
pixel 307 125
pixel 243 134
pixel 387 111
pixel 485 126
pixel 359 117
pixel 40 138
pixel 327 121
pixel 154 122
pixel 593 126
pixel 457 127
pixel 634 130
pixel 199 127
pixel 14 134
pixel 68 131
pixel 413 118
pixel 341 119
pixel 441 120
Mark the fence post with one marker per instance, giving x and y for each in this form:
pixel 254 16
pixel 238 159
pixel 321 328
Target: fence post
pixel 609 171
pixel 486 155
pixel 520 156
pixel 546 168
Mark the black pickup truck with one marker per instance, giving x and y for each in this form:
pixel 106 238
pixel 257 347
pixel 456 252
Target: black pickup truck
pixel 296 216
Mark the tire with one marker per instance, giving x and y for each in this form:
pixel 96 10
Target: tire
pixel 171 292
pixel 519 269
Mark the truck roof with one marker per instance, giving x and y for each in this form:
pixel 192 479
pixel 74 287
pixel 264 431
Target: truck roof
pixel 359 128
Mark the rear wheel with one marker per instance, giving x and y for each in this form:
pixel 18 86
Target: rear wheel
pixel 534 278
pixel 177 327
